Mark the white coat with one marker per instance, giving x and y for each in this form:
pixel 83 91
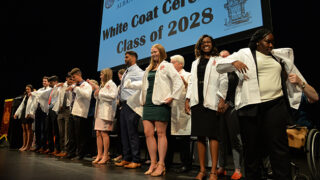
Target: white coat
pixel 42 97
pixel 106 101
pixel 167 84
pixel 29 109
pixel 180 120
pixel 82 100
pixel 247 91
pixel 61 93
pixel 215 85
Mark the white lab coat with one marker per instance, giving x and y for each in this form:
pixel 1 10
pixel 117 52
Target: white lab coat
pixel 247 91
pixel 215 85
pixel 30 110
pixel 106 101
pixel 82 100
pixel 167 84
pixel 61 91
pixel 180 120
pixel 42 97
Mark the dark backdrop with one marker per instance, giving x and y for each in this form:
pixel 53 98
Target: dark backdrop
pixel 41 38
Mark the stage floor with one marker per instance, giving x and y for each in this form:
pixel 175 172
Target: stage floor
pixel 15 165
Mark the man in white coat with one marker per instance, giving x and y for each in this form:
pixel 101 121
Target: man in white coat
pixel 78 122
pixel 180 126
pixel 40 115
pixel 62 108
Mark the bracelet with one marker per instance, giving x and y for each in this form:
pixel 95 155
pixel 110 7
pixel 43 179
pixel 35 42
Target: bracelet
pixel 303 85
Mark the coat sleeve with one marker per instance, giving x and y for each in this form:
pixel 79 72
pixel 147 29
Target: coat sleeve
pixel 189 90
pixel 21 106
pixel 223 85
pixel 109 92
pixel 177 84
pixel 84 91
pixel 225 65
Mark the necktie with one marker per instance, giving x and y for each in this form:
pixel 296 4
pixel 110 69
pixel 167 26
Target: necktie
pixel 121 84
pixel 49 102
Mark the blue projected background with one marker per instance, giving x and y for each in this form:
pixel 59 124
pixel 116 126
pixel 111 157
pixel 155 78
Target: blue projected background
pixel 138 24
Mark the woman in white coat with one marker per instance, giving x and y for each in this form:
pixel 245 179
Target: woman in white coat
pixel 161 84
pixel 25 112
pixel 263 97
pixel 105 110
pixel 205 97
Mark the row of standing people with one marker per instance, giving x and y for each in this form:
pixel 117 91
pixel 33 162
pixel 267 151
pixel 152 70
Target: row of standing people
pixel 258 93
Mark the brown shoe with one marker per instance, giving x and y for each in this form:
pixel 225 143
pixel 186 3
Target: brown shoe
pixel 132 165
pixel 62 154
pixel 40 150
pixel 54 152
pixel 46 151
pixel 122 163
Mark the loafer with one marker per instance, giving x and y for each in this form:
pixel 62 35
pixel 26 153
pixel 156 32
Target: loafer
pixel 122 163
pixel 132 165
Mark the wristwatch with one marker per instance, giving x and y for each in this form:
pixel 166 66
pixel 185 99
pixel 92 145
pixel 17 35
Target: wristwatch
pixel 303 85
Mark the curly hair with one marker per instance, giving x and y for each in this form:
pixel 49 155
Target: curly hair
pixel 197 48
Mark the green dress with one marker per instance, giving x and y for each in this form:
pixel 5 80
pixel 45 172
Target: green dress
pixel 151 111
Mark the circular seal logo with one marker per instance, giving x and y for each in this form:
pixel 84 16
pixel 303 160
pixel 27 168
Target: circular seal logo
pixel 109 3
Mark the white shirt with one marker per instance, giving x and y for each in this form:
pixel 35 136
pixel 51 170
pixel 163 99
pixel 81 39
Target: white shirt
pixel 269 75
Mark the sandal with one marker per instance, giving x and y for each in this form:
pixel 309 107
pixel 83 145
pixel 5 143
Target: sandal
pixel 162 173
pixel 201 175
pixel 150 171
pixel 213 176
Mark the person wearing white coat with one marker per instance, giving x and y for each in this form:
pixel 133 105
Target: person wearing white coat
pixel 263 99
pixel 180 125
pixel 24 112
pixel 40 114
pixel 78 122
pixel 104 113
pixel 161 84
pixel 205 96
pixel 62 108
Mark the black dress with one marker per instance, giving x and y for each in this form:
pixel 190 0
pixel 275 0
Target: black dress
pixel 23 118
pixel 204 121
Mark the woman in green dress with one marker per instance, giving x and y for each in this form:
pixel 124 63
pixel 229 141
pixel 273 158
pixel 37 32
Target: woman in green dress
pixel 160 85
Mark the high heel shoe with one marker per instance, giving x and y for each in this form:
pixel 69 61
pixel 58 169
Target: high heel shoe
pixel 162 173
pixel 213 176
pixel 201 175
pixel 96 160
pixel 104 160
pixel 151 170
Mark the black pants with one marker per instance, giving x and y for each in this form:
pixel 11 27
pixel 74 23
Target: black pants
pixel 129 122
pixel 79 134
pixel 182 145
pixel 265 134
pixel 52 131
pixel 40 118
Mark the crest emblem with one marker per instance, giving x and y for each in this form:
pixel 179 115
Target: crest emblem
pixel 109 3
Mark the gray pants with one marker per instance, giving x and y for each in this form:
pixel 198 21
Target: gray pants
pixel 229 127
pixel 63 118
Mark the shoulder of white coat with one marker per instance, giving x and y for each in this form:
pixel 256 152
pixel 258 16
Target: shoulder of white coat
pixel 286 53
